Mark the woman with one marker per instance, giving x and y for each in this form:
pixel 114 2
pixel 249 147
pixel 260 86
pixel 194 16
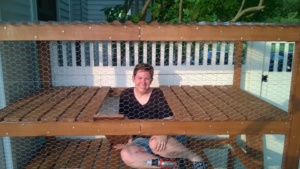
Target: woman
pixel 144 102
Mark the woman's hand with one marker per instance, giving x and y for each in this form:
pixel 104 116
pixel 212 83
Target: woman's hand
pixel 160 142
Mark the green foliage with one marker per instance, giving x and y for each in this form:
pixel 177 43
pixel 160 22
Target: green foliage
pixel 115 13
pixel 281 11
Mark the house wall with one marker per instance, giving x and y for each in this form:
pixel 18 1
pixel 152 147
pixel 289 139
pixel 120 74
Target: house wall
pixel 18 10
pixel 91 10
pixel 2 157
pixel 15 84
pixel 79 10
pixel 64 10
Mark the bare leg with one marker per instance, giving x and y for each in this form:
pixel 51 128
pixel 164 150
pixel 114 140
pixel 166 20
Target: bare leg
pixel 136 157
pixel 174 149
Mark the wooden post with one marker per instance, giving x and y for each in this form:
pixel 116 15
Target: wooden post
pixel 292 155
pixel 238 55
pixel 44 64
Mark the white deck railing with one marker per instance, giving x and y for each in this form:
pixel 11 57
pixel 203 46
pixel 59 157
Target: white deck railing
pixel 111 63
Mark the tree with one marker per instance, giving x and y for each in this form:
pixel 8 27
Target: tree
pixel 188 11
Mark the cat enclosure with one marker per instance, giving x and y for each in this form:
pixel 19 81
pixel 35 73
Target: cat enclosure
pixel 233 89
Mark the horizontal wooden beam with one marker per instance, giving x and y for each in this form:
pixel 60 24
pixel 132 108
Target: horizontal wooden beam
pixel 108 127
pixel 147 32
pixel 214 127
pixel 170 32
pixel 150 127
pixel 82 32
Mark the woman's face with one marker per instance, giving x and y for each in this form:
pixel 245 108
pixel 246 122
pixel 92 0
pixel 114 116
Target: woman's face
pixel 142 81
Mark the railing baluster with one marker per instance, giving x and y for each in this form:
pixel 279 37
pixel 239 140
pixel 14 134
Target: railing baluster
pixel 153 55
pixel 92 58
pixel 82 54
pixel 188 53
pixel 214 53
pixel 73 53
pixel 285 57
pixel 171 53
pixel 162 53
pixel 100 49
pixel 145 52
pixel 197 53
pixel 205 53
pixel 276 57
pixel 127 53
pixel 118 53
pixel 222 53
pixel 179 53
pixel 64 53
pixel 109 53
pixel 54 54
pixel 136 52
pixel 230 53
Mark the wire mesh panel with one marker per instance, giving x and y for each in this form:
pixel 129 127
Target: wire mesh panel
pixel 223 151
pixel 130 83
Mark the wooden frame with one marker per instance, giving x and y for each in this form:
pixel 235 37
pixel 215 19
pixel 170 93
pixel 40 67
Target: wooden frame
pixel 148 32
pixel 163 32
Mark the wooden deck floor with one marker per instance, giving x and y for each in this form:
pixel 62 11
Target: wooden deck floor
pixel 64 153
pixel 197 103
pixel 70 111
pixel 99 153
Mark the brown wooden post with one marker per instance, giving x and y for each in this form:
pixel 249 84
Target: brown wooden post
pixel 44 64
pixel 238 55
pixel 292 155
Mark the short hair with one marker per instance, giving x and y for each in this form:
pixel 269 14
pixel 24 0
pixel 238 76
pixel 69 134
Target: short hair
pixel 144 67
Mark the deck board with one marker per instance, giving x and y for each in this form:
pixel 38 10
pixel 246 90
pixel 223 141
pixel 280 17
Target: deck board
pixel 195 110
pixel 176 106
pixel 234 102
pixel 101 160
pixel 19 113
pixel 40 157
pixel 231 113
pixel 209 108
pixel 20 103
pixel 67 154
pixel 94 105
pixel 78 154
pixel 59 109
pixel 264 109
pixel 91 154
pixel 74 153
pixel 242 111
pixel 74 110
pixel 43 109
pixel 55 153
pixel 188 103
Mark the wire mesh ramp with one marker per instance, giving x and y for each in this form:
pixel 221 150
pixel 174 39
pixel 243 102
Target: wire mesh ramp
pixel 188 103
